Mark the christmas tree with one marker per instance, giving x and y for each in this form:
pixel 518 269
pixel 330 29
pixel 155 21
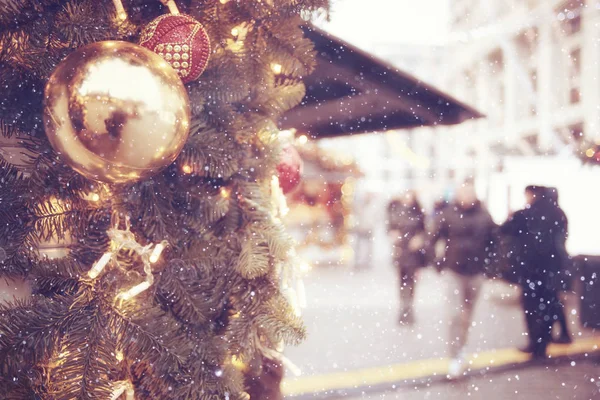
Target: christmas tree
pixel 169 284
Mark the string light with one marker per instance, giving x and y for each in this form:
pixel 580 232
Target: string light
pixel 99 265
pixel 238 363
pixel 134 291
pixel 302 140
pixel 121 13
pixel 225 192
pixel 125 240
pixel 119 356
pixel 123 387
pixel 171 6
pixel 276 68
pixel 590 153
pixel 158 249
pixel 187 169
pixel 304 267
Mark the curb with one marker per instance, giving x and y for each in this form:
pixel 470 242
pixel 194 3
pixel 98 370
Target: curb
pixel 427 372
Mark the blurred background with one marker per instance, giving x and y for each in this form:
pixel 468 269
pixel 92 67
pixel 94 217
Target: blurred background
pixel 432 97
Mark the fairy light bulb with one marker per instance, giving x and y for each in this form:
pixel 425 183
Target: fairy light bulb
pixel 170 4
pixel 121 13
pixel 302 139
pixel 225 192
pixel 134 291
pixel 238 363
pixel 125 240
pixel 187 169
pixel 99 265
pixel 590 153
pixel 123 387
pixel 157 252
pixel 276 68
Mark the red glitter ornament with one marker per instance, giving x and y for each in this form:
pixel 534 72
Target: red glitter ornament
pixel 181 41
pixel 289 169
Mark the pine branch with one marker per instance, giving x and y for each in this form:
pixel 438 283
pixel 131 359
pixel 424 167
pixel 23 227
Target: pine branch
pixel 30 331
pixel 278 241
pixel 254 260
pixel 224 68
pixel 154 340
pixel 10 176
pixel 213 380
pixel 81 368
pixel 241 333
pixel 218 293
pixel 194 301
pixel 210 153
pixel 16 388
pixel 230 223
pixel 277 319
pixel 280 99
pixel 74 20
pixel 287 46
pixel 154 212
pixel 202 212
pixel 61 276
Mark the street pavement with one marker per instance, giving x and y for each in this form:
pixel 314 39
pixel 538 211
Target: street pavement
pixel 570 381
pixel 352 320
pixel 352 323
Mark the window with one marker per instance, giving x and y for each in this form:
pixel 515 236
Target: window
pixel 575 76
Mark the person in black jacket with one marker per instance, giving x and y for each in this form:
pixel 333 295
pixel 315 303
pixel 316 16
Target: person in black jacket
pixel 406 225
pixel 468 231
pixel 561 281
pixel 538 230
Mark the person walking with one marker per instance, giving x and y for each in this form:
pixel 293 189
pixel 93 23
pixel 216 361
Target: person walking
pixel 406 225
pixel 468 231
pixel 364 231
pixel 537 230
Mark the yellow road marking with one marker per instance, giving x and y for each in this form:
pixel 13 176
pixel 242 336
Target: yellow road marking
pixel 391 374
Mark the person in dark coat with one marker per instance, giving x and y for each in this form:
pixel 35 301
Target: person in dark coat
pixel 468 231
pixel 406 225
pixel 563 255
pixel 537 230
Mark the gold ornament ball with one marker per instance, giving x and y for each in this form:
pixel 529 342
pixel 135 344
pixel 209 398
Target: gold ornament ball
pixel 116 112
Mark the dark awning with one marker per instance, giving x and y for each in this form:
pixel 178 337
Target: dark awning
pixel 353 92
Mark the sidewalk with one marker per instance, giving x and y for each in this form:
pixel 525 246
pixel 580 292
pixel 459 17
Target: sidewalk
pixel 352 324
pixel 576 381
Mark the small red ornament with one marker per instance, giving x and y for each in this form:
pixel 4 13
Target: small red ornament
pixel 181 41
pixel 289 169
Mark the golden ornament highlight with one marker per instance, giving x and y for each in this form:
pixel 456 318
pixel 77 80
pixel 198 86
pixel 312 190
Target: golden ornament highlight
pixel 116 112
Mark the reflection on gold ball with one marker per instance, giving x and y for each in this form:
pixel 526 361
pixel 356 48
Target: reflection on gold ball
pixel 116 112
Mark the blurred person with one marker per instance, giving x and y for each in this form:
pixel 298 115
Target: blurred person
pixel 364 231
pixel 406 225
pixel 467 229
pixel 538 232
pixel 563 255
pixel 439 206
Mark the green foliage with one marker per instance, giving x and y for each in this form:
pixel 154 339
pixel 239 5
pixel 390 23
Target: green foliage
pixel 216 291
pixel 83 365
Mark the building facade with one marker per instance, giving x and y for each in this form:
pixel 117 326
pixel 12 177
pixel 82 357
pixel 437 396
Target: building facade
pixel 533 68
